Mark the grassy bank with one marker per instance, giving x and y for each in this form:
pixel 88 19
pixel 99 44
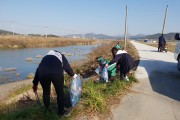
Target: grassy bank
pixel 34 42
pixel 96 97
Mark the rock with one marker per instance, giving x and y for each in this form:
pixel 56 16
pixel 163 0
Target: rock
pixel 15 46
pixel 39 56
pixel 10 69
pixel 30 76
pixel 17 74
pixel 29 59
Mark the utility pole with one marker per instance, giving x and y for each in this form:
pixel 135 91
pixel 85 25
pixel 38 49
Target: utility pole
pixel 12 24
pixel 46 27
pixel 165 20
pixel 125 33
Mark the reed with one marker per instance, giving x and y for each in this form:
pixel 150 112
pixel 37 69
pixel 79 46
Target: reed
pixel 41 42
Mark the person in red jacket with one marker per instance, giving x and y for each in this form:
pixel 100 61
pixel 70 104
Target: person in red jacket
pixel 51 69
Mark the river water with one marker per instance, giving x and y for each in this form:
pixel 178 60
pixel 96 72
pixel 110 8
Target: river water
pixel 14 66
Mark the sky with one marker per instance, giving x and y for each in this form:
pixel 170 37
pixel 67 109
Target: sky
pixel 61 17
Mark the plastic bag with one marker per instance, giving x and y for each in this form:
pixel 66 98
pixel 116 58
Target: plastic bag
pixel 97 70
pixel 104 75
pixel 75 90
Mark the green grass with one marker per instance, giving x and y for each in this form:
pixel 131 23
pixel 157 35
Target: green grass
pixel 31 113
pixel 96 95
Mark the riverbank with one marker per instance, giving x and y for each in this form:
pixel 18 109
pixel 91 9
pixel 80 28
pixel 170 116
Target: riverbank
pixel 96 97
pixel 15 42
pixel 6 89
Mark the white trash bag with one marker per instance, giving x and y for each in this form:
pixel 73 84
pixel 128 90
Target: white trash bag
pixel 75 90
pixel 97 70
pixel 104 75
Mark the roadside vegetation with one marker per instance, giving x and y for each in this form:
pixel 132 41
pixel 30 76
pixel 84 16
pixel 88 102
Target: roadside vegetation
pixel 97 98
pixel 35 42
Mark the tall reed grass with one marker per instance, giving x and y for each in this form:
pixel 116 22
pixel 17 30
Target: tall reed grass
pixel 33 42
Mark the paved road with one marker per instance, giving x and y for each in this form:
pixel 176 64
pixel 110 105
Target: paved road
pixel 157 95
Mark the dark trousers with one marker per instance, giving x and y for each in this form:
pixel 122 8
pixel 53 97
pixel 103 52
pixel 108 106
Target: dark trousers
pixel 160 47
pixel 122 76
pixel 58 82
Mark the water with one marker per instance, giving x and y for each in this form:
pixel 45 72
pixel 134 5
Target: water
pixel 15 58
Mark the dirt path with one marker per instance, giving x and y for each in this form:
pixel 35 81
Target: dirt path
pixel 6 88
pixel 157 96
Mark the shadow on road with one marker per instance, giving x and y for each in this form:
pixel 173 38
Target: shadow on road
pixel 163 76
pixel 151 51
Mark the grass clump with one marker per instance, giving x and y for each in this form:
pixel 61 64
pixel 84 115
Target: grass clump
pixel 96 96
pixel 93 99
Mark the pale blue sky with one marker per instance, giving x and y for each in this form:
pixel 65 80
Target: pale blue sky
pixel 83 16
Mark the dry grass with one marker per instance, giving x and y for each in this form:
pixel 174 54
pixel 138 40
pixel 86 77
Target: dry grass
pixel 33 42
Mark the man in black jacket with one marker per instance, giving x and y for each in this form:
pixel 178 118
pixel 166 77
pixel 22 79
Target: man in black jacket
pixel 161 42
pixel 51 69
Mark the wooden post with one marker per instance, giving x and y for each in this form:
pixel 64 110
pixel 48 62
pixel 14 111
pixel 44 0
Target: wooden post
pixel 165 20
pixel 12 25
pixel 125 33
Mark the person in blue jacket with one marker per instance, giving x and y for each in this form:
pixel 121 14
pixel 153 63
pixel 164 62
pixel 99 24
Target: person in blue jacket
pixel 161 42
pixel 51 69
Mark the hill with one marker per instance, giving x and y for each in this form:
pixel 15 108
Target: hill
pixel 92 36
pixel 168 36
pixel 4 32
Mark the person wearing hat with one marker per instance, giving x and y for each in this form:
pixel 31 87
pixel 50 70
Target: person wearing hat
pixel 51 69
pixel 124 61
pixel 118 47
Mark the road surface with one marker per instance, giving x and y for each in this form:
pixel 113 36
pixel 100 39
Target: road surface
pixel 157 95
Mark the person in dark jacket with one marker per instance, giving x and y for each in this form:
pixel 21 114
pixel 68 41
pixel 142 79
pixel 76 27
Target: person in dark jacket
pixel 51 69
pixel 124 60
pixel 161 42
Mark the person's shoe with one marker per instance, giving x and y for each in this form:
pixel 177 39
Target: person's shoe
pixel 126 78
pixel 67 112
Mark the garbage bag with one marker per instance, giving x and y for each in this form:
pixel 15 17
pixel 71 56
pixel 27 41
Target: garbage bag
pixel 104 75
pixel 97 70
pixel 75 90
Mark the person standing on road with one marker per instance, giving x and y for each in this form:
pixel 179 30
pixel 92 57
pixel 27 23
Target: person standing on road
pixel 124 60
pixel 51 69
pixel 161 42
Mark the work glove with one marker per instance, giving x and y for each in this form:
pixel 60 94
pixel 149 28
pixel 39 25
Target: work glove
pixel 34 88
pixel 106 65
pixel 75 76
